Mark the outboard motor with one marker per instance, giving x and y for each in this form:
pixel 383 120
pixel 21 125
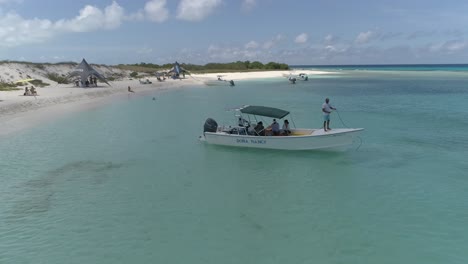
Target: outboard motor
pixel 210 125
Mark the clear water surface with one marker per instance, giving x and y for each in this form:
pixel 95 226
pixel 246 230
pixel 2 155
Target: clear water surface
pixel 130 183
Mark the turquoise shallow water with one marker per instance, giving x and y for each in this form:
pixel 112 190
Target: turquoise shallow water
pixel 130 183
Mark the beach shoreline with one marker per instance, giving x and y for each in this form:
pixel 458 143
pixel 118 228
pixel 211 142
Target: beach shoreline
pixel 18 112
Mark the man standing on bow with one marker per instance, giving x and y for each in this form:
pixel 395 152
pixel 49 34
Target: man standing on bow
pixel 326 109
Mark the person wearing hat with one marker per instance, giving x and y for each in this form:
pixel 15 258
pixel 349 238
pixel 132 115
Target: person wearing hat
pixel 286 130
pixel 326 109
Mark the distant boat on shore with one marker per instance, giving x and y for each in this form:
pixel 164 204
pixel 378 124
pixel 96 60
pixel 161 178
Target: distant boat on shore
pixel 219 82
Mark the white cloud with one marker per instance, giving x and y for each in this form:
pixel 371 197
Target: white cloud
pixel 251 45
pixel 92 18
pixel 446 47
pixel 196 10
pixel 330 48
pixel 213 48
pixel 301 38
pixel 155 10
pixel 434 47
pixel 16 30
pixel 364 37
pixel 271 43
pixel 329 39
pixel 454 46
pixel 248 5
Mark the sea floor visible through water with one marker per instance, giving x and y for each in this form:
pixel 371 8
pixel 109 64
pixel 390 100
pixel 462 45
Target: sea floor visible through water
pixel 129 182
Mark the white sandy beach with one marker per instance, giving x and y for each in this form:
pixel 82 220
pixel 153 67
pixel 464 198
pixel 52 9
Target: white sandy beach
pixel 255 75
pixel 18 112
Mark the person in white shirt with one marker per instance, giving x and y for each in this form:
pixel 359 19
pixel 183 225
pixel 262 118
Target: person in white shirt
pixel 244 123
pixel 326 109
pixel 275 128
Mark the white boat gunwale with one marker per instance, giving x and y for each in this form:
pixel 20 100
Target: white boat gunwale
pixel 243 134
pixel 338 132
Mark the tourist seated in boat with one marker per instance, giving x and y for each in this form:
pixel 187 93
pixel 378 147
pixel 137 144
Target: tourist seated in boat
pixel 286 130
pixel 275 128
pixel 242 122
pixel 259 129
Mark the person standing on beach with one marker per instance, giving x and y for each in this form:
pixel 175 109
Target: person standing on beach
pixel 130 90
pixel 326 109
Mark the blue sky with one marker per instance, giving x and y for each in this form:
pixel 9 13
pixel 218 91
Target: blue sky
pixel 202 31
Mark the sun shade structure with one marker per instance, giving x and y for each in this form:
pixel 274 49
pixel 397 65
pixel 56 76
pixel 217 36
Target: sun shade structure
pixel 264 111
pixel 177 69
pixel 84 70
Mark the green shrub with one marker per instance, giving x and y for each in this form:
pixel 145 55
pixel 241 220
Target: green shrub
pixel 8 87
pixel 39 66
pixel 38 83
pixel 57 78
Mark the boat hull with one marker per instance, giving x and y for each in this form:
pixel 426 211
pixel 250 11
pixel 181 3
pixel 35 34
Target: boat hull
pixel 302 139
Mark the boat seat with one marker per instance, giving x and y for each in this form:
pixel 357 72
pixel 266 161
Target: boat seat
pixel 296 133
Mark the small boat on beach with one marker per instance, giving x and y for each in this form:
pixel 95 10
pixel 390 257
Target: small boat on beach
pixel 249 132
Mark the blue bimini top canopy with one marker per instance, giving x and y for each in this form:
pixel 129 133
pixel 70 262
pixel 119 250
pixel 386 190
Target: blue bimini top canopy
pixel 264 111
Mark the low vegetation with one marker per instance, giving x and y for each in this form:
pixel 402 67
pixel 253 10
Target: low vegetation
pixel 39 83
pixel 39 65
pixel 8 87
pixel 241 66
pixel 57 78
pixel 134 74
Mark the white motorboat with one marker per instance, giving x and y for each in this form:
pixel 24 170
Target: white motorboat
pixel 244 134
pixel 303 77
pixel 292 79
